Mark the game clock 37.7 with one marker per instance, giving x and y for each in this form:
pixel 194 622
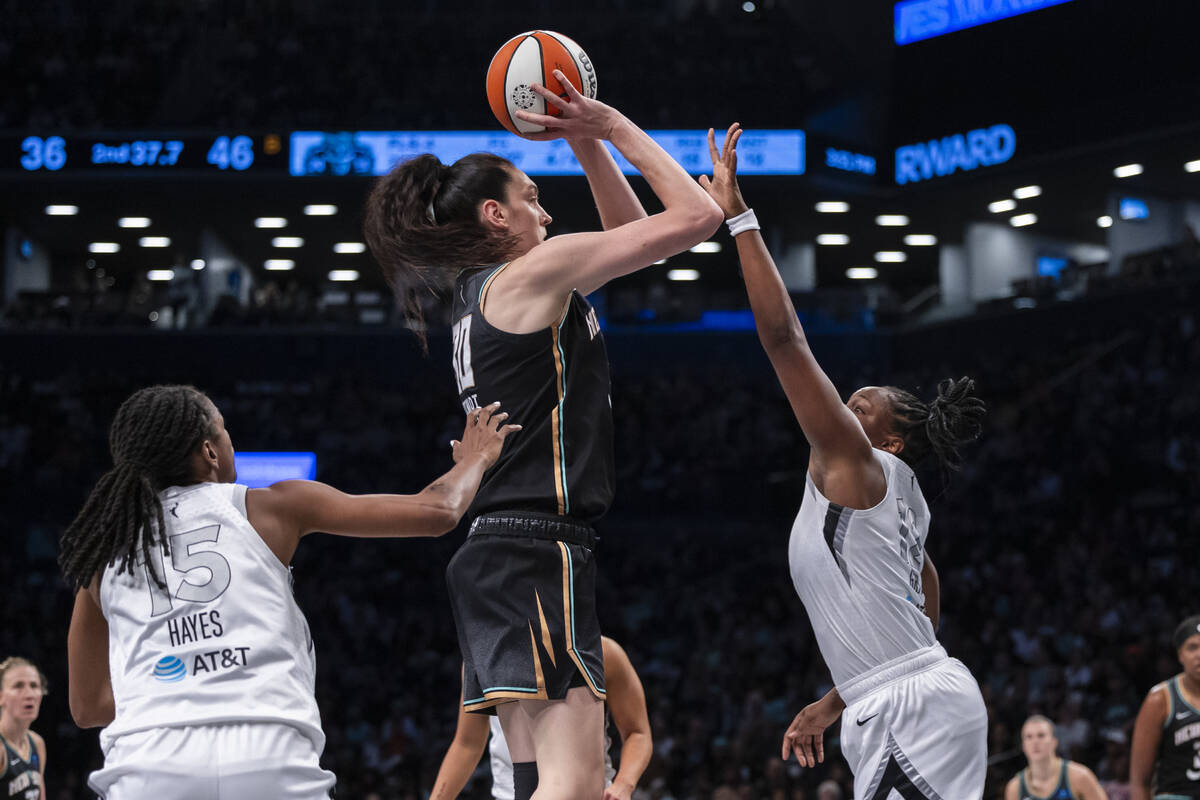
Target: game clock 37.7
pixel 211 153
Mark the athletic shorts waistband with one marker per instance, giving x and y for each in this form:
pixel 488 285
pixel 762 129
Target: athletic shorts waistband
pixel 535 526
pixel 875 679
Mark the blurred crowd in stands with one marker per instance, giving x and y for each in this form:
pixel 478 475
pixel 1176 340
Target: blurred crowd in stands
pixel 1061 545
pixel 132 64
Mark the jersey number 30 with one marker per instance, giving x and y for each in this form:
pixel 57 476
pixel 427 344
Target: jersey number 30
pixel 195 564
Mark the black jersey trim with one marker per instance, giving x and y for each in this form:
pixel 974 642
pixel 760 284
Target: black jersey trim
pixel 837 520
pixel 898 773
pixel 1064 782
pixel 557 421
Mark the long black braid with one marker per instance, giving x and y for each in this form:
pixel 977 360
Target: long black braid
pixel 940 428
pixel 152 440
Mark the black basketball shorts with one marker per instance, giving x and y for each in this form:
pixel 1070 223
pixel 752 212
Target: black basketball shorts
pixel 523 591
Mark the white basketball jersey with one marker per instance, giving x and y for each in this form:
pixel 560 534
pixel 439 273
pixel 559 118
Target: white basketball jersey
pixel 859 573
pixel 503 787
pixel 224 642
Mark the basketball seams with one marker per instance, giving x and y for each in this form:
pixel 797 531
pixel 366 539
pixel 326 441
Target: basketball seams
pixel 517 65
pixel 569 48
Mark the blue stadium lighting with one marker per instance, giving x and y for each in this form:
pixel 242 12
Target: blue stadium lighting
pixel 769 152
pixel 263 468
pixel 915 20
pixel 1133 208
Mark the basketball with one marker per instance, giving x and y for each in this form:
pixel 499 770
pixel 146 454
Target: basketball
pixel 530 58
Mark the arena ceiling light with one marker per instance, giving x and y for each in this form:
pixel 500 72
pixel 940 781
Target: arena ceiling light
pixel 1026 192
pixel 1192 166
pixel 1128 170
pixel 920 240
pixel 1002 206
pixel 62 210
pixel 155 241
pixel 270 222
pixel 833 239
pixel 320 210
pixel 342 275
pixel 707 247
pixel 287 241
pixel 683 274
pixel 199 264
pixel 349 247
pixel 891 220
pixel 104 247
pixel 133 222
pixel 279 264
pixel 862 273
pixel 891 256
pixel 1022 220
pixel 832 207
pixel 160 275
pixel 1105 221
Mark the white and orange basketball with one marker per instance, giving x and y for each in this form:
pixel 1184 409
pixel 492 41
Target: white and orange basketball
pixel 529 58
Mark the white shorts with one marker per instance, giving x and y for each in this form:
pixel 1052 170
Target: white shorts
pixel 228 761
pixel 916 729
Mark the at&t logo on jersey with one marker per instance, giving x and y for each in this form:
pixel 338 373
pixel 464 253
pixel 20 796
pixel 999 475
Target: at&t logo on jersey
pixel 169 669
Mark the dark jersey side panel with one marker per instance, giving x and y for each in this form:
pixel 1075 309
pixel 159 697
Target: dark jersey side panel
pixel 555 384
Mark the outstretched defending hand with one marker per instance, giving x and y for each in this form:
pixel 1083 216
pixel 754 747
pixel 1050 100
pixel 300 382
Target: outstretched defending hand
pixel 581 117
pixel 806 735
pixel 723 186
pixel 483 435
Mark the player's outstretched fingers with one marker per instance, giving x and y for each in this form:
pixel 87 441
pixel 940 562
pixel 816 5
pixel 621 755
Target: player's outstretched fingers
pixel 550 97
pixel 712 147
pixel 540 119
pixel 570 89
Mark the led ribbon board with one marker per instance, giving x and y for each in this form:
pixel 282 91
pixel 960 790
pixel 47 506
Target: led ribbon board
pixel 983 147
pixel 317 153
pixel 915 20
pixel 260 469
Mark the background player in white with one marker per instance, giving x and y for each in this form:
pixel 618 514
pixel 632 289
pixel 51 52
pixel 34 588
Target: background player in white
pixel 1049 777
pixel 915 724
pixel 22 752
pixel 626 702
pixel 185 639
pixel 1164 763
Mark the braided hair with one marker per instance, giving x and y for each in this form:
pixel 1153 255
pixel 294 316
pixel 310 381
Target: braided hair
pixel 938 429
pixel 152 440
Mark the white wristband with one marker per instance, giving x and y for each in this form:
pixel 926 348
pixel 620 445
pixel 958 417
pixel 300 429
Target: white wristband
pixel 746 221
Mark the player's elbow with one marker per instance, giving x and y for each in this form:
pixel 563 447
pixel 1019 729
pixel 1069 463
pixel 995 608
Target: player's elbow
pixel 706 218
pixel 91 712
pixel 442 519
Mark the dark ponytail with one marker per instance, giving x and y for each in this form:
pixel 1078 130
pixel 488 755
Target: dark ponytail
pixel 940 428
pixel 422 225
pixel 152 439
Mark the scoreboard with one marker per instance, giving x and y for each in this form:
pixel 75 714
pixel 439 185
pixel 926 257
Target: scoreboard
pixel 326 154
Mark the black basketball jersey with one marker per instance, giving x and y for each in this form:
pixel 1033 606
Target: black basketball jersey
pixel 21 779
pixel 555 384
pixel 1178 769
pixel 1061 792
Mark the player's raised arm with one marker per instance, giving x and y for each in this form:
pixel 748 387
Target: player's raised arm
pixel 586 261
pixel 615 199
pixel 288 510
pixel 828 424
